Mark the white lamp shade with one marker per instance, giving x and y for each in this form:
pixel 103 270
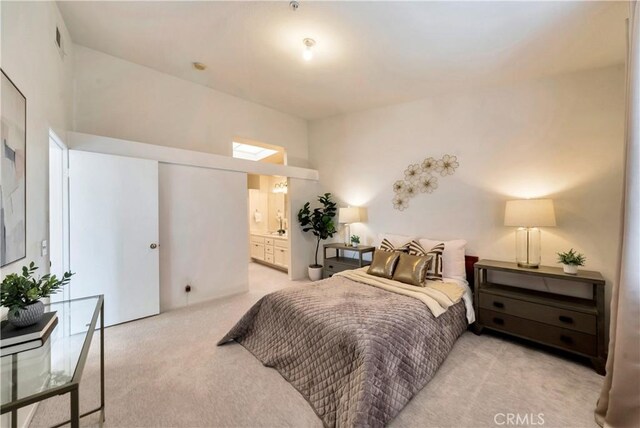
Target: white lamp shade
pixel 530 213
pixel 349 215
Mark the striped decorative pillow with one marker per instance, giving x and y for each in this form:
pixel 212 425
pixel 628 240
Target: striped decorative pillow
pixel 435 270
pixel 386 245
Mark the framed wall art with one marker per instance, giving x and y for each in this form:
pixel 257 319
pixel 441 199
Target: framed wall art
pixel 13 173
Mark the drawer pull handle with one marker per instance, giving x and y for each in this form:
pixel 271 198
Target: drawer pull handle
pixel 498 305
pixel 566 319
pixel 566 339
pixel 330 266
pixel 498 321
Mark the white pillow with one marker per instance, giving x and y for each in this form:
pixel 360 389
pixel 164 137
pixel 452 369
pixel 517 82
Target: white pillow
pixel 453 265
pixel 396 240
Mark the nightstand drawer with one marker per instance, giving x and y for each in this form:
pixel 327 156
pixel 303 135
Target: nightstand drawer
pixel 331 268
pixel 559 337
pixel 564 318
pixel 326 273
pixel 335 267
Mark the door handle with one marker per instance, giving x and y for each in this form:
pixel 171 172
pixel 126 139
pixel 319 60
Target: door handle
pixel 153 246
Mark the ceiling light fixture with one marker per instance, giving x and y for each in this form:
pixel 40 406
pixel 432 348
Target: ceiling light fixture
pixel 294 5
pixel 307 53
pixel 199 66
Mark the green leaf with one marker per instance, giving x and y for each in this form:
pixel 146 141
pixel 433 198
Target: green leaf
pixel 17 291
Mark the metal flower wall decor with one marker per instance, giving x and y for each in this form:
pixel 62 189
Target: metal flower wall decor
pixel 422 178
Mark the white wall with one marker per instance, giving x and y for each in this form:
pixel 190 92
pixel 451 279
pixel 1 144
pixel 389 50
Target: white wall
pixel 302 245
pixel 559 137
pixel 32 61
pixel 120 99
pixel 203 234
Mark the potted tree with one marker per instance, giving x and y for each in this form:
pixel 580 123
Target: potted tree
pixel 571 260
pixel 320 223
pixel 22 294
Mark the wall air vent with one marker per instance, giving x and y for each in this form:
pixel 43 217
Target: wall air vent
pixel 60 43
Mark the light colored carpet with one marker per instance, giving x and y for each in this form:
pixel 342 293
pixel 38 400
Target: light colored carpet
pixel 166 371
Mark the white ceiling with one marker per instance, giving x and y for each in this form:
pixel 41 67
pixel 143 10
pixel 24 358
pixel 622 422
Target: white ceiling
pixel 367 54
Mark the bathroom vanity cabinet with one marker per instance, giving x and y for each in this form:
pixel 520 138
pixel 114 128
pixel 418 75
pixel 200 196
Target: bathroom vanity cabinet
pixel 272 250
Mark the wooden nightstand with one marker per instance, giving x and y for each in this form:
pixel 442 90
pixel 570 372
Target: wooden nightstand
pixel 569 323
pixel 339 262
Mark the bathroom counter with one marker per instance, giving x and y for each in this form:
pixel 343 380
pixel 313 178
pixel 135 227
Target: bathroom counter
pixel 269 235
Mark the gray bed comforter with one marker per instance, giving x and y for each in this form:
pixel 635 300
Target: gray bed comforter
pixel 356 353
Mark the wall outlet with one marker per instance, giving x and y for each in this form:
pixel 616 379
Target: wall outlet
pixel 44 248
pixel 187 288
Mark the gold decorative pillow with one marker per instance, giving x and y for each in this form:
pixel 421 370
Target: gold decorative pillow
pixel 412 269
pixel 384 263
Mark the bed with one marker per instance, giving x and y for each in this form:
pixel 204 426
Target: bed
pixel 357 352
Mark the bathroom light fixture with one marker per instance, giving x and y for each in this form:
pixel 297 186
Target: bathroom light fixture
pixel 280 187
pixel 199 66
pixel 307 53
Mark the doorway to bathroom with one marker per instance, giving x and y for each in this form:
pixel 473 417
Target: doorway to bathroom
pixel 268 222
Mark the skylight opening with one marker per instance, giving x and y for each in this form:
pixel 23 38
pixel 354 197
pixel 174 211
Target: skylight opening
pixel 250 152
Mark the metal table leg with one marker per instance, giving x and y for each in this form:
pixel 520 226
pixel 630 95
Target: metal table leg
pixel 102 413
pixel 75 407
pixel 14 389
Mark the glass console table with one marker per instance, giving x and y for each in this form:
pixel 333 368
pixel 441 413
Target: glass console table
pixel 56 367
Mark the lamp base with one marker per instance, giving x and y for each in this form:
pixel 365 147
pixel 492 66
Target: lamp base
pixel 528 247
pixel 347 234
pixel 528 265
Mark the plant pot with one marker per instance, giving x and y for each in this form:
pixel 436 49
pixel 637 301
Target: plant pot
pixel 315 273
pixel 570 269
pixel 354 245
pixel 27 316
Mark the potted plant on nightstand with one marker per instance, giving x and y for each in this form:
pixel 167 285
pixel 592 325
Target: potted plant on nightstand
pixel 571 260
pixel 320 223
pixel 22 294
pixel 355 241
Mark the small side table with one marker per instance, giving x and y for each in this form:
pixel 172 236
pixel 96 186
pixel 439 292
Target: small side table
pixel 69 342
pixel 340 262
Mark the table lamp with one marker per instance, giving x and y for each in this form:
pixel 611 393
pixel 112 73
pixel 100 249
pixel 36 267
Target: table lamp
pixel 347 216
pixel 528 215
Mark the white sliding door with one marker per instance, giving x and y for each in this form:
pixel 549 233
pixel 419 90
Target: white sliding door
pixel 204 233
pixel 113 210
